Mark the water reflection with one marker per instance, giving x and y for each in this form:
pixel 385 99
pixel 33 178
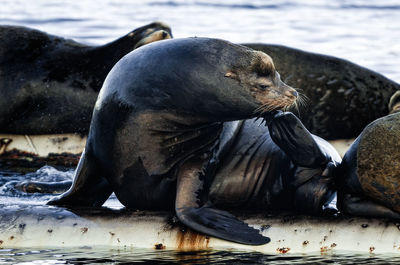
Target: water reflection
pixel 141 256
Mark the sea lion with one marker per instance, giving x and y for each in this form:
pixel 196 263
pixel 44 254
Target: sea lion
pixel 165 134
pixel 369 176
pixel 343 97
pixel 49 84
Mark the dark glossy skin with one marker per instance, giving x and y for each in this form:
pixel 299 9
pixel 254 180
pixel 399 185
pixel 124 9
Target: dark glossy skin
pixel 369 176
pixel 343 97
pixel 49 84
pixel 161 130
pixel 279 167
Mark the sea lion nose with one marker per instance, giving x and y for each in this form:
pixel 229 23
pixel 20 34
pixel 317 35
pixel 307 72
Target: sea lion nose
pixel 291 93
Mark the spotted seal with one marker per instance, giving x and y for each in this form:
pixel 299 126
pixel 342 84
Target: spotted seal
pixel 49 84
pixel 343 97
pixel 369 176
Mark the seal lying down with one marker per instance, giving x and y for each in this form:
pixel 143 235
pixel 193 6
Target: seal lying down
pixel 369 177
pixel 166 134
pixel 49 84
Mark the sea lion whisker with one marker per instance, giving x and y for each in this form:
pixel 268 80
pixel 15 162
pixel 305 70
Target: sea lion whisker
pixel 296 107
pixel 265 108
pixel 303 100
pixel 259 108
pixel 268 108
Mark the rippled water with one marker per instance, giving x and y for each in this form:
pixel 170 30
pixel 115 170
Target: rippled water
pixel 141 256
pixel 363 31
pixel 9 194
pixel 8 180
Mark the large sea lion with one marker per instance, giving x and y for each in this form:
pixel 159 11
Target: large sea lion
pixel 49 84
pixel 165 134
pixel 343 97
pixel 369 176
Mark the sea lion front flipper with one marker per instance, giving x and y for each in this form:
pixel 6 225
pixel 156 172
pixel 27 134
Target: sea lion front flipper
pixel 289 133
pixel 357 206
pixel 210 221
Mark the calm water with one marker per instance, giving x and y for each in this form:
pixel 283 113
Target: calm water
pixel 365 32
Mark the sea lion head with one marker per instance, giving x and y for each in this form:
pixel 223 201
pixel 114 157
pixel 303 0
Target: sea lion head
pixel 264 83
pixel 201 77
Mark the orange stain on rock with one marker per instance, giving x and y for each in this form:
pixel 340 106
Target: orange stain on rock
pixel 283 250
pixel 188 239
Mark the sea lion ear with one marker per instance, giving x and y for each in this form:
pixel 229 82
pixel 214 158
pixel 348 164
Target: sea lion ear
pixel 231 74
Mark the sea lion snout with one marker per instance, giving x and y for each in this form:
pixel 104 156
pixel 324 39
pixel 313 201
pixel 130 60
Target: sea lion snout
pixel 289 91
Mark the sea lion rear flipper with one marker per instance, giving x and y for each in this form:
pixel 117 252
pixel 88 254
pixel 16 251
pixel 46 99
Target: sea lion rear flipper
pixel 296 141
pixel 210 221
pixel 90 187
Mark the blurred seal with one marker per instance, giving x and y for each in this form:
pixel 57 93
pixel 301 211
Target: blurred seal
pixel 343 97
pixel 49 84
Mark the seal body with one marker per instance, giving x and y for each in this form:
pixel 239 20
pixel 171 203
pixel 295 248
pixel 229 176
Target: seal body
pixel 343 97
pixel 168 114
pixel 369 175
pixel 370 172
pixel 49 84
pixel 255 173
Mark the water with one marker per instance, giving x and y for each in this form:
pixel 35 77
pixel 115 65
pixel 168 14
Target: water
pixel 46 174
pixel 363 31
pixel 9 194
pixel 141 256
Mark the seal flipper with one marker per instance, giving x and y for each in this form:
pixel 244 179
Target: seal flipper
pixel 296 141
pixel 90 187
pixel 357 206
pixel 205 219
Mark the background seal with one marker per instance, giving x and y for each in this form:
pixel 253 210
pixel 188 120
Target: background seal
pixel 49 84
pixel 343 97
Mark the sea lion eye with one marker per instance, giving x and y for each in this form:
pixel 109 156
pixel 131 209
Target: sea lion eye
pixel 263 87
